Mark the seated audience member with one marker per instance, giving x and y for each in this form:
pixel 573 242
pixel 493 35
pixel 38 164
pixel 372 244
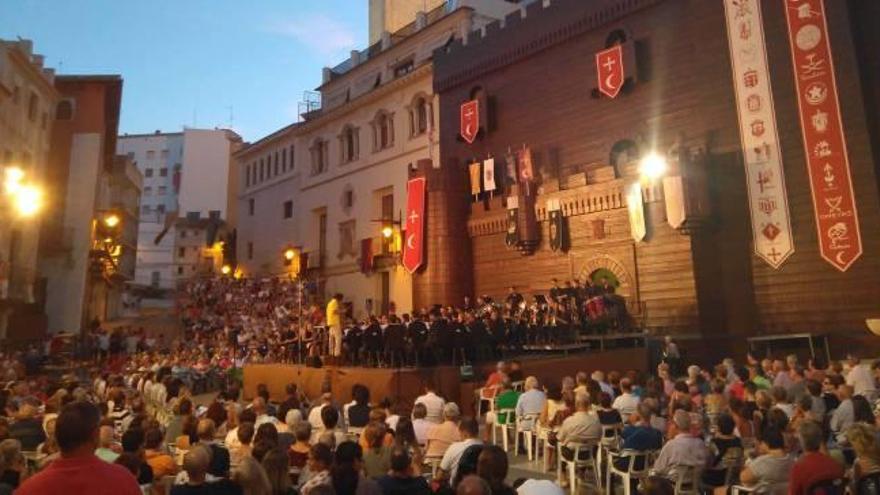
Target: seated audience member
pixel 433 404
pixel 219 466
pixel 251 477
pixel 78 470
pixel 441 436
pixel 506 398
pixel 608 415
pixel 813 465
pixel 329 425
pixel 469 431
pixel 27 428
pixel 161 462
pixel 863 439
pixel 107 450
pixel 420 424
pixel 402 480
pixel 292 418
pixel 682 450
pixel 726 452
pixel 581 427
pixel 345 474
pixel 473 485
pixel 13 466
pixel 245 433
pixel 530 403
pixel 626 402
pixel 298 453
pixel 195 464
pixel 359 411
pixel 844 416
pixel 320 462
pixel 315 414
pixel 377 457
pixel 231 441
pixel 275 464
pixel 640 435
pixel 133 443
pixel 768 472
pixel 492 466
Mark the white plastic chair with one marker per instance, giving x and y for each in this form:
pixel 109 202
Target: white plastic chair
pixel 632 471
pixel 687 480
pixel 504 428
pixel 582 457
pixel 525 426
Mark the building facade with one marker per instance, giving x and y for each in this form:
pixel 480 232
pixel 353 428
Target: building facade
pixel 83 248
pixel 27 102
pixel 333 187
pixel 537 76
pixel 186 175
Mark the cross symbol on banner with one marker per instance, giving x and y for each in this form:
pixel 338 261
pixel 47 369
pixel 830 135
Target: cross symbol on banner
pixel 413 217
pixel 609 63
pixel 774 254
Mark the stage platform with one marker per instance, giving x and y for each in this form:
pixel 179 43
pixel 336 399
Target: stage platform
pixel 405 384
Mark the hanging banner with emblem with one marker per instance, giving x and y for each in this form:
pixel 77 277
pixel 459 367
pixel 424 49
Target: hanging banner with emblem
pixel 475 172
pixel 837 219
pixel 609 71
pixel 414 247
pixel 511 237
pixel 768 200
pixel 636 209
pixel 489 175
pixel 557 230
pixel 470 120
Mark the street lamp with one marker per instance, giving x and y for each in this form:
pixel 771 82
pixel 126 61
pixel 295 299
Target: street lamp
pixel 111 220
pixel 653 166
pixel 226 269
pixel 28 200
pixel 289 254
pixel 387 231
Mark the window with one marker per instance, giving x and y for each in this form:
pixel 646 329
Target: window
pixel 348 199
pixel 146 210
pixel 251 207
pixel 163 172
pixel 291 157
pixel 348 144
pixel 262 170
pixel 33 107
pixel 180 270
pixel 130 155
pixel 181 252
pixel 148 191
pixel 254 173
pixel 160 209
pixel 404 68
pixel 277 163
pixel 247 176
pixel 347 245
pixel 214 214
pixel 319 156
pixel 193 216
pixel 148 172
pixel 250 250
pixel 163 190
pixel 283 160
pixel 288 209
pixel 164 154
pixel 64 111
pixel 151 155
pixel 383 131
pixel 420 115
pixel 155 278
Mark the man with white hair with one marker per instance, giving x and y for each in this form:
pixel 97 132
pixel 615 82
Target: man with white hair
pixel 581 427
pixel 683 449
pixel 441 436
pixel 599 377
pixel 532 401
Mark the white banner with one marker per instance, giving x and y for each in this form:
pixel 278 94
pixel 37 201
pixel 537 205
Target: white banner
pixel 768 201
pixel 636 209
pixel 489 174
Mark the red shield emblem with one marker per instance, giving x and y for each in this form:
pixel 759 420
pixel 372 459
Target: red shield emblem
pixel 414 243
pixel 470 120
pixel 609 69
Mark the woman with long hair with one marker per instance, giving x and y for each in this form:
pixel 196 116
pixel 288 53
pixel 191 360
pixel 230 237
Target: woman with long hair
pixel 405 437
pixel 275 463
pixel 377 458
pixel 251 477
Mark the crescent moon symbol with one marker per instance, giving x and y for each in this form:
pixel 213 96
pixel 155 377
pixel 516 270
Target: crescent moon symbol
pixel 839 258
pixel 608 81
pixel 409 240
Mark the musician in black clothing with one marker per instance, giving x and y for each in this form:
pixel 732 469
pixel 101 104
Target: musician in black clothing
pixel 373 342
pixel 555 291
pixel 395 341
pixel 352 342
pixel 417 338
pixel 514 298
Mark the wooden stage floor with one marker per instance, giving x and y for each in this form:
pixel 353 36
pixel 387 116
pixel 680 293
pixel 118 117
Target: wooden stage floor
pixel 403 385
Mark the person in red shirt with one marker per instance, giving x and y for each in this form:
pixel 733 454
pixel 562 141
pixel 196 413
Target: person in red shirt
pixel 813 466
pixel 78 470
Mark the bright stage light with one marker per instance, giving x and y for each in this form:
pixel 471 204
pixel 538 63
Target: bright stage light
pixel 28 200
pixel 653 166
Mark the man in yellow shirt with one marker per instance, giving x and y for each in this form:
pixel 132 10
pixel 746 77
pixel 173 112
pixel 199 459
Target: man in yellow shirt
pixel 334 325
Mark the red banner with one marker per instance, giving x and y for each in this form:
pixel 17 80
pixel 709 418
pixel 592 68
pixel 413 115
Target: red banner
pixel 414 247
pixel 609 70
pixel 824 145
pixel 470 120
